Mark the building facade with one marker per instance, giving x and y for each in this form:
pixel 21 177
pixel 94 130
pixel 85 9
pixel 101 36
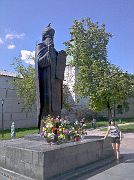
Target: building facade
pixel 12 105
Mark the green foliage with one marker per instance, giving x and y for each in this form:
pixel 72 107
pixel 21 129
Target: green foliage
pixel 88 42
pixel 109 88
pixel 105 84
pixel 25 83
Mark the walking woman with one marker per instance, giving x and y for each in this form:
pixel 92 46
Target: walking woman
pixel 116 137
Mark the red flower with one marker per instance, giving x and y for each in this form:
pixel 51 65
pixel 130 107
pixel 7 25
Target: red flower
pixel 53 129
pixel 58 133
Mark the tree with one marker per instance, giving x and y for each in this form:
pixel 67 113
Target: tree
pixel 109 89
pixel 105 84
pixel 25 83
pixel 88 43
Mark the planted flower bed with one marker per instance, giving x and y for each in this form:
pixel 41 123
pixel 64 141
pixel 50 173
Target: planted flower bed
pixel 58 130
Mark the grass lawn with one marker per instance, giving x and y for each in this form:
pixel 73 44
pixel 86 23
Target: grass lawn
pixel 98 124
pixel 19 132
pixel 124 128
pixel 127 128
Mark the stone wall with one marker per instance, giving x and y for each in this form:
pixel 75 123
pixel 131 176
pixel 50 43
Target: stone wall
pixel 12 107
pixel 77 106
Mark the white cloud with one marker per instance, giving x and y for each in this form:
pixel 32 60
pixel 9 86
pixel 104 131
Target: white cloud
pixel 28 56
pixel 1 41
pixel 14 36
pixel 11 46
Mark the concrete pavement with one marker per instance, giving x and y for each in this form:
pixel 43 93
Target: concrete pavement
pixel 123 170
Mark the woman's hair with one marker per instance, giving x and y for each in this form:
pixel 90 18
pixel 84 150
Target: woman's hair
pixel 112 121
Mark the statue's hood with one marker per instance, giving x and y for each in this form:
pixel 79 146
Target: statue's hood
pixel 48 32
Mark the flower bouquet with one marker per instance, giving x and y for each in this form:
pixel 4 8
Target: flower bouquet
pixel 58 130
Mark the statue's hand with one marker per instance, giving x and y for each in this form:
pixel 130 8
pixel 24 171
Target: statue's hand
pixel 44 61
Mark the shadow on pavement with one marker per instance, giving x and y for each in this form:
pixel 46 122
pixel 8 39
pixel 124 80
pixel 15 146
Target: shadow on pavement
pixel 102 169
pixel 128 158
pixel 125 158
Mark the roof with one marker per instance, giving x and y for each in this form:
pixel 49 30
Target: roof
pixel 6 73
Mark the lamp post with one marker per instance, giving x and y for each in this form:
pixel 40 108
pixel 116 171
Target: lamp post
pixel 2 103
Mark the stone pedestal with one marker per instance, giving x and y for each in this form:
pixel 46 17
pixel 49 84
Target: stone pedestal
pixel 41 161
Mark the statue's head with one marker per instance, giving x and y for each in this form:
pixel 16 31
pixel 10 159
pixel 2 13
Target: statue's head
pixel 48 32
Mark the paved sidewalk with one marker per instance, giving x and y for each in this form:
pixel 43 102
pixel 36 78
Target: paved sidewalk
pixel 124 170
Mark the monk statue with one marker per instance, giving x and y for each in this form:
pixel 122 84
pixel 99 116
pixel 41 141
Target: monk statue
pixel 50 66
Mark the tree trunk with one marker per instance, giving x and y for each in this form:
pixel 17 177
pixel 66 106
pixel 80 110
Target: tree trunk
pixel 114 110
pixel 109 111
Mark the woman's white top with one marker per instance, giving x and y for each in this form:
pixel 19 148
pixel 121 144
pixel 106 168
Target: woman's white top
pixel 114 130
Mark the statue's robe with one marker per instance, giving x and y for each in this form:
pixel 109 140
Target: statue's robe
pixel 50 66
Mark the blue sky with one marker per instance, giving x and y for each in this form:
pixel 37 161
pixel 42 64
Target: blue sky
pixel 22 22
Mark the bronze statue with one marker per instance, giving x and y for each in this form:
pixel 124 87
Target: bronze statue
pixel 50 66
